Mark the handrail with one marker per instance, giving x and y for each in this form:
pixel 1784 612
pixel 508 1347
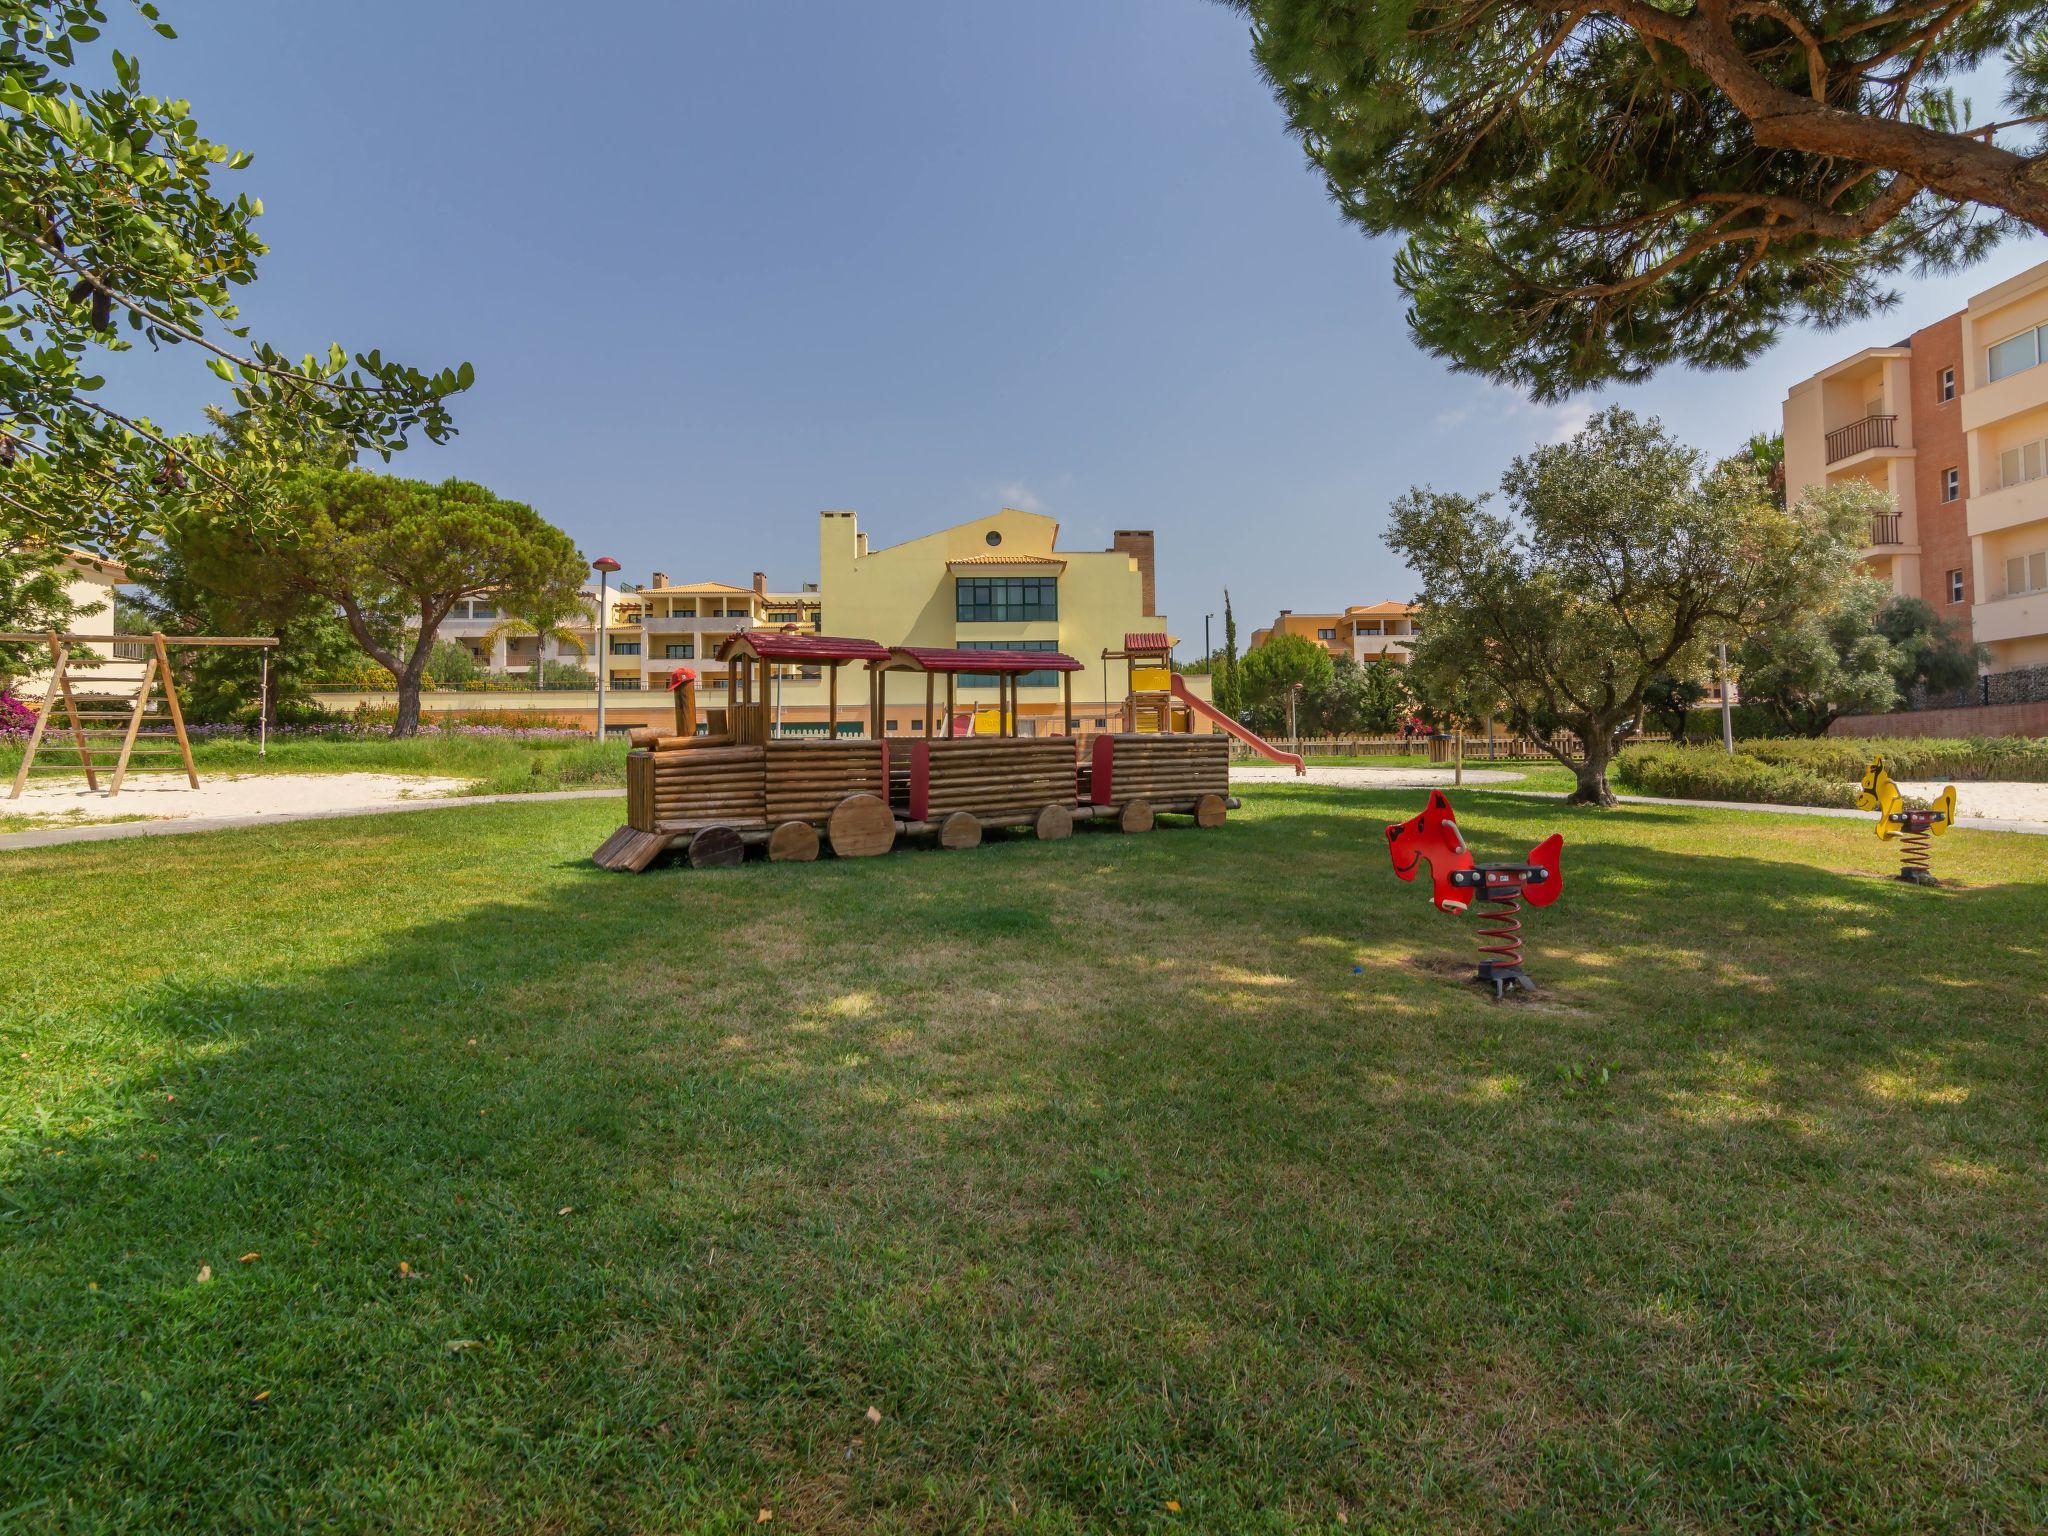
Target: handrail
pixel 181 640
pixel 1861 435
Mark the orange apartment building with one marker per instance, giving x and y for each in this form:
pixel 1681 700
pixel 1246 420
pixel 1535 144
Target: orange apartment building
pixel 1952 423
pixel 1364 633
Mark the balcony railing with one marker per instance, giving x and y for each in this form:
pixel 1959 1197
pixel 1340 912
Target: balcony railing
pixel 1884 528
pixel 1860 436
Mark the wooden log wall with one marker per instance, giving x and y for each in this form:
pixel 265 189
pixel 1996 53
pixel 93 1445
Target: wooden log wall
pixel 1165 770
pixel 990 775
pixel 806 780
pixel 696 785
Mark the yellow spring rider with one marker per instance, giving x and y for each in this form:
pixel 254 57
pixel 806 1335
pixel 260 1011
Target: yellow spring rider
pixel 1881 795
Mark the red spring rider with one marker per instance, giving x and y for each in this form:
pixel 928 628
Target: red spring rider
pixel 1456 882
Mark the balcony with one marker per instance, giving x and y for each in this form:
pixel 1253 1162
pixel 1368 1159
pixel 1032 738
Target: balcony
pixel 2017 616
pixel 1862 436
pixel 1884 529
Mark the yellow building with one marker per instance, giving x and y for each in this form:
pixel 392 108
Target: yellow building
pixel 1364 632
pixel 997 582
pixel 1952 423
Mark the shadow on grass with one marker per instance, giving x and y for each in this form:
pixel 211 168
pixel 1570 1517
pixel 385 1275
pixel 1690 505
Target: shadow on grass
pixel 1092 1164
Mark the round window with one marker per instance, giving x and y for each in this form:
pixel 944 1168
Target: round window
pixel 994 538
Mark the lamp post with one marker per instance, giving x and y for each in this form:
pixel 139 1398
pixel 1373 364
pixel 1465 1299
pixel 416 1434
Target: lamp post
pixel 1208 651
pixel 604 565
pixel 1727 711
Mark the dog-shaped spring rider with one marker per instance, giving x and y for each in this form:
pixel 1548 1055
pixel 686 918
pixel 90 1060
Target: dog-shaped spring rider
pixel 1878 793
pixel 1456 881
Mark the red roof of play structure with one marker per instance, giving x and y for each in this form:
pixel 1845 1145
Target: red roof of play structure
pixel 1148 640
pixel 924 658
pixel 773 645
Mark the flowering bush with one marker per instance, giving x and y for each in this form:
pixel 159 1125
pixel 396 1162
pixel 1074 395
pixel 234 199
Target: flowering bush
pixel 16 718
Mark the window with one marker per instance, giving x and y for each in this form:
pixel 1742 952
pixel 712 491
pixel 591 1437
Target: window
pixel 992 538
pixel 1326 634
pixel 1951 484
pixel 687 651
pixel 1948 385
pixel 2019 352
pixel 626 682
pixel 1045 679
pixel 2026 573
pixel 625 647
pixel 892 725
pixel 2029 461
pixel 784 616
pixel 1955 586
pixel 1006 599
pixel 1100 722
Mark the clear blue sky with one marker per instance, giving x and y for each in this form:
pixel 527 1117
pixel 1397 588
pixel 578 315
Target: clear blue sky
pixel 720 266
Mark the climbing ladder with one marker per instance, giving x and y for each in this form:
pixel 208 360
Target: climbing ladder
pixel 95 724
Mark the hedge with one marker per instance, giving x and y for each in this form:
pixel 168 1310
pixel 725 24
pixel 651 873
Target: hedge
pixel 1708 773
pixel 1977 758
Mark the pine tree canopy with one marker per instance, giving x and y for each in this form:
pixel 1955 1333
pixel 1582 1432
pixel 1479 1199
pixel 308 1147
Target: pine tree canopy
pixel 1591 189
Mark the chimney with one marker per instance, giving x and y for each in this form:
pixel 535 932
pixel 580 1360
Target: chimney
pixel 660 579
pixel 1286 613
pixel 1137 543
pixel 760 583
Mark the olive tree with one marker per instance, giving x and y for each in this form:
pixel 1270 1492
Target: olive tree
pixel 1623 558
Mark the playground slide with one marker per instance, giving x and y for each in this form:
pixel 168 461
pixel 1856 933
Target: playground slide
pixel 1209 711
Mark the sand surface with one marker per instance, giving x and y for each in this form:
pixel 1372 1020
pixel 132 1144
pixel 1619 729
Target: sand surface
pixel 167 796
pixel 1993 802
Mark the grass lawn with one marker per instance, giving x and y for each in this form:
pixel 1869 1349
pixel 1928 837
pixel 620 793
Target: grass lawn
pixel 491 764
pixel 411 1173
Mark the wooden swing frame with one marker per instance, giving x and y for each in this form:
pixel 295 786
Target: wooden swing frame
pixel 156 670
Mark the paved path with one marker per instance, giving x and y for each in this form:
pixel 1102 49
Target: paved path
pixel 2024 806
pixel 49 837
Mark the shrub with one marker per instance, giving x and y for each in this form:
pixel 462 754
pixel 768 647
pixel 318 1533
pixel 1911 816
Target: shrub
pixel 1708 773
pixel 1927 757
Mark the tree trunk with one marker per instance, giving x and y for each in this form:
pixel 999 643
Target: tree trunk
pixel 408 721
pixel 1591 788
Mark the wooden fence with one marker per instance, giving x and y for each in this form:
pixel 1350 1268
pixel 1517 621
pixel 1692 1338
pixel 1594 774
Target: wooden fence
pixel 1504 748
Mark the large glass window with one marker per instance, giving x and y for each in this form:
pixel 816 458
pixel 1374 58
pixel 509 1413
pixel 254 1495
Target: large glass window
pixel 1045 679
pixel 1007 599
pixel 625 647
pixel 2017 352
pixel 687 651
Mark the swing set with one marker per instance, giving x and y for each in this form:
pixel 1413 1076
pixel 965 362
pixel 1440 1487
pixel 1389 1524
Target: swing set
pixel 103 719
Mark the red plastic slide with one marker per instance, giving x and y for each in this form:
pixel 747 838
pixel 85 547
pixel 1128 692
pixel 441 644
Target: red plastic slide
pixel 1258 744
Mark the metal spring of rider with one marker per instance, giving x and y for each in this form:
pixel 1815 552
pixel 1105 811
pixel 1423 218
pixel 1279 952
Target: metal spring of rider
pixel 1500 939
pixel 1914 848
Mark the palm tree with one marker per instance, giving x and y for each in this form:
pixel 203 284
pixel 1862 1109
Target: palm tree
pixel 544 624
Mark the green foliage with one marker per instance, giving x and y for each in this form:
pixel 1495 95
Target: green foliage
pixel 2022 759
pixel 1669 701
pixel 394 556
pixel 1625 561
pixel 1227 691
pixel 1708 773
pixel 451 664
pixel 1812 665
pixel 1929 652
pixel 1371 700
pixel 32 596
pixel 113 232
pixel 1269 671
pixel 1766 452
pixel 1588 193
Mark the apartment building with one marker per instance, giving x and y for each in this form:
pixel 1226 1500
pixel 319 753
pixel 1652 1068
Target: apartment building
pixel 90 583
pixel 996 582
pixel 1364 632
pixel 1952 423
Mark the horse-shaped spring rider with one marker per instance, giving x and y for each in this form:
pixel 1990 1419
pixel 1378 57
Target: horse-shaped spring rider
pixel 1456 881
pixel 1878 793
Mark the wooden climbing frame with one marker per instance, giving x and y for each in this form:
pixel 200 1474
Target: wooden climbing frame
pixel 69 690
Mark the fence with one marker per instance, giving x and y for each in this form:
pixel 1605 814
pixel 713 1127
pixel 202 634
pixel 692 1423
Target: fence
pixel 1505 747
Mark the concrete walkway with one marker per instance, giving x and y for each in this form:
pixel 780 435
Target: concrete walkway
pixel 50 837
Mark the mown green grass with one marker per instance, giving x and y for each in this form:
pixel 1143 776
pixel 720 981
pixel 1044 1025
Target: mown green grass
pixel 1116 1174
pixel 487 764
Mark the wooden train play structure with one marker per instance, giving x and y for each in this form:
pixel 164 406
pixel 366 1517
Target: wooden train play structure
pixel 737 785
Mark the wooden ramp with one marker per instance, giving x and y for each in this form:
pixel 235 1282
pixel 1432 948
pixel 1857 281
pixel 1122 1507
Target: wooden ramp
pixel 631 850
